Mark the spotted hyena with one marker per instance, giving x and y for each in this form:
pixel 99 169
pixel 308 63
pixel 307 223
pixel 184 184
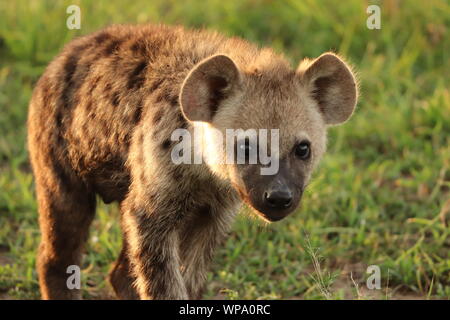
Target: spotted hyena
pixel 100 123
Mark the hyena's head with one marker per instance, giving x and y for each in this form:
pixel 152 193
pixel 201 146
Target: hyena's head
pixel 220 94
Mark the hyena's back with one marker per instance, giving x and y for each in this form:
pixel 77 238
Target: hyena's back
pixel 91 98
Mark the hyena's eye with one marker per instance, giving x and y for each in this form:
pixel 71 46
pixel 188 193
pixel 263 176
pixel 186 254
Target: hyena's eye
pixel 303 150
pixel 245 150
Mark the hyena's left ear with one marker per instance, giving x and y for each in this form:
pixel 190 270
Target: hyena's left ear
pixel 332 84
pixel 208 86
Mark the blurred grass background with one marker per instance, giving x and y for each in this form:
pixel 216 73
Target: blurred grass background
pixel 381 195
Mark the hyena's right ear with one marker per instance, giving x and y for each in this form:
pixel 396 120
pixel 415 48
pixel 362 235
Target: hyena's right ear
pixel 207 86
pixel 332 84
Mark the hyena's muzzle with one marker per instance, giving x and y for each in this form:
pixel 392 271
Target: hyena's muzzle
pixel 274 196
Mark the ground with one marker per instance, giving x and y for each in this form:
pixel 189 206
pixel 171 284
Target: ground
pixel 380 197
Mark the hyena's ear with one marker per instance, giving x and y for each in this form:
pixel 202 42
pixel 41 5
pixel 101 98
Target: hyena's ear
pixel 332 84
pixel 207 86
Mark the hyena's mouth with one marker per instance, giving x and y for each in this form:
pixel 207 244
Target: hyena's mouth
pixel 270 214
pixel 270 211
pixel 246 198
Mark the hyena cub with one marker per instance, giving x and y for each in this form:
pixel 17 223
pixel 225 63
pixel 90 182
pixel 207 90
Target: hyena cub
pixel 101 121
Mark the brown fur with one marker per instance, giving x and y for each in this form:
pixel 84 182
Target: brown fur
pixel 100 122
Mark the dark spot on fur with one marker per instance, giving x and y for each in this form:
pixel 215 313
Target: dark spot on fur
pixel 76 140
pixel 138 47
pixel 166 144
pixel 69 70
pixel 115 99
pixel 61 173
pixel 72 78
pixel 75 99
pixel 84 127
pixel 101 37
pixel 127 139
pixel 112 47
pixel 105 128
pixel 177 173
pixel 152 197
pixel 94 84
pixel 177 177
pixel 157 117
pixel 155 85
pixel 59 119
pixel 159 98
pixel 59 139
pixel 174 101
pixel 136 78
pixel 163 95
pixel 70 67
pixel 182 122
pixel 86 66
pixel 204 210
pixel 137 115
pixel 135 47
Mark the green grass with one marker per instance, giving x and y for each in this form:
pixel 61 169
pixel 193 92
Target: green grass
pixel 378 197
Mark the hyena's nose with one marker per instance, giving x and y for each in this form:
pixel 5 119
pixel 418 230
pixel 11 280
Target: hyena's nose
pixel 278 199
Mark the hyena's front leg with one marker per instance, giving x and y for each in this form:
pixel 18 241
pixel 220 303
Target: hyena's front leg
pixel 152 234
pixel 201 235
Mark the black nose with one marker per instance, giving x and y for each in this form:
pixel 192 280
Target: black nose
pixel 278 199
